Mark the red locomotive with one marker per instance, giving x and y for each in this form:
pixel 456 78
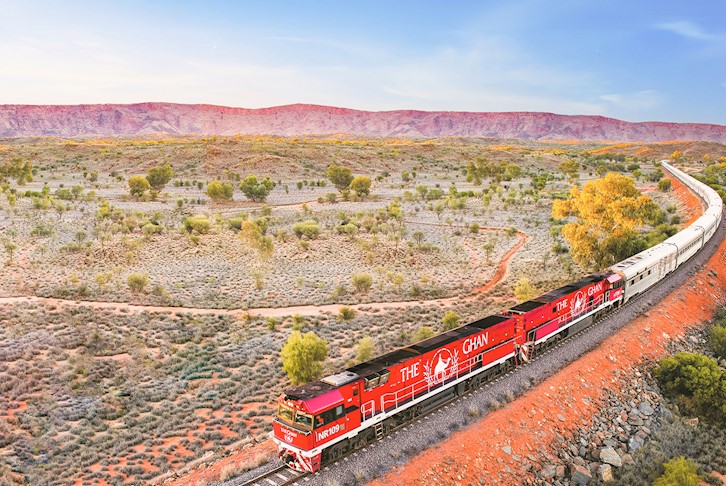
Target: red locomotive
pixel 319 421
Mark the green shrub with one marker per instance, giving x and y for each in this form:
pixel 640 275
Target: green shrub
pixel 365 349
pixel 696 383
pixel 200 224
pixel 679 471
pixel 309 229
pixel 256 190
pixel 664 185
pixel 451 320
pixel 423 332
pixel 303 356
pixel 346 314
pixel 137 281
pixel 220 191
pixel 717 340
pixel 362 282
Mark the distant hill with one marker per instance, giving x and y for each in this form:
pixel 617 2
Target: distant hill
pixel 171 118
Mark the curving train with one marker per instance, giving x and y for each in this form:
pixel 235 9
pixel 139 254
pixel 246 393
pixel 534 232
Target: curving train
pixel 318 422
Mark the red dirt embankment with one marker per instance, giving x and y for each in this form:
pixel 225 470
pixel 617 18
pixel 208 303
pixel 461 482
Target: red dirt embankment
pixel 530 423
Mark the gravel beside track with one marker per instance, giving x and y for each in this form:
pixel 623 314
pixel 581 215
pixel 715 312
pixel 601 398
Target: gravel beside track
pixel 395 449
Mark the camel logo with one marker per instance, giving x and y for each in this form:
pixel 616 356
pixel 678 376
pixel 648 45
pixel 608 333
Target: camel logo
pixel 577 304
pixel 441 367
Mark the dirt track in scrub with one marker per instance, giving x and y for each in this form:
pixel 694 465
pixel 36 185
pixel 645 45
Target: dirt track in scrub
pixel 499 275
pixel 530 424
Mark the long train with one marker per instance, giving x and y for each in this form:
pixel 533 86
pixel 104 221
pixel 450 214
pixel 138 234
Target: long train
pixel 318 422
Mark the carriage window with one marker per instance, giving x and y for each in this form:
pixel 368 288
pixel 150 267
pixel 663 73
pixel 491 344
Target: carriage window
pixel 355 391
pixel 339 410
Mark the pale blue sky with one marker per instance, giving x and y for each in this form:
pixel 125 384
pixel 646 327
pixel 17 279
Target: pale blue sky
pixel 634 60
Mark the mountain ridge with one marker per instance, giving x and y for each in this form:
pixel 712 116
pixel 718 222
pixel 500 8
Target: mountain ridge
pixel 111 119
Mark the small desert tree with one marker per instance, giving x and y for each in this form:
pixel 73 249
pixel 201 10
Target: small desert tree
pixel 138 185
pixel 303 357
pixel 10 248
pixel 570 169
pixel 158 177
pixel 451 320
pixel 664 185
pixel 340 176
pixel 220 191
pixel 361 185
pixel 608 213
pixel 365 349
pixel 256 190
pixel 524 289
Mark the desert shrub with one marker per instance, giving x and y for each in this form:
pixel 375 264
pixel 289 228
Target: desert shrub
pixel 159 176
pixel 309 229
pixel 220 191
pixel 200 224
pixel 679 471
pixel 361 185
pixel 42 229
pixel 236 223
pixel 695 382
pixel 256 190
pixel 346 314
pixel 151 229
pixel 423 332
pixel 340 176
pixel 524 289
pixel 137 281
pixel 362 282
pixel 138 185
pixel 717 338
pixel 303 356
pixel 365 349
pixel 450 320
pixel 664 185
pixel 347 229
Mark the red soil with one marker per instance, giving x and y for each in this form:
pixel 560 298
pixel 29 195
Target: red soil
pixel 530 423
pixel 214 472
pixel 503 266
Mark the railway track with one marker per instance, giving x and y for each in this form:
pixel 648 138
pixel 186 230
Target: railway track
pixel 280 476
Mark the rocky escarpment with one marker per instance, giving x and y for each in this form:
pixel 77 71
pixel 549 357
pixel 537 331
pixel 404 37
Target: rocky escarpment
pixel 170 118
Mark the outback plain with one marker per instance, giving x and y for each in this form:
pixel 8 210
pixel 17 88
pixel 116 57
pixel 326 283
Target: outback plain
pixel 141 325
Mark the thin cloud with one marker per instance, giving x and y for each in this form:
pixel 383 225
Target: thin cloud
pixel 689 30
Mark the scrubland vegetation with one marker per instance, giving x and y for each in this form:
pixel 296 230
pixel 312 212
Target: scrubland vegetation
pixel 245 223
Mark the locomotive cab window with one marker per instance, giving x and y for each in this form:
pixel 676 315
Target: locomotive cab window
pixel 286 413
pixel 304 420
